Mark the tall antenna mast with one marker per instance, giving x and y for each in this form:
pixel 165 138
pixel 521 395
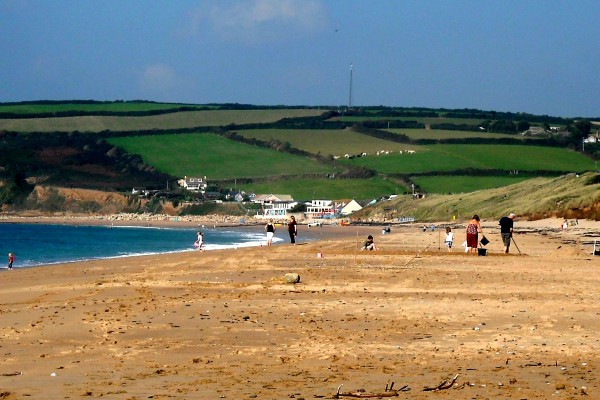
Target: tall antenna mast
pixel 350 95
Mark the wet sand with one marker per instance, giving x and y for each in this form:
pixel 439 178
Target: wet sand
pixel 225 324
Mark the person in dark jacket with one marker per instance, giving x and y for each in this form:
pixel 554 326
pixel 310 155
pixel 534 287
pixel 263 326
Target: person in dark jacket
pixel 506 230
pixel 293 229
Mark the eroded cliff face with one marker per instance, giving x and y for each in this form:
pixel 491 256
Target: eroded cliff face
pixel 56 199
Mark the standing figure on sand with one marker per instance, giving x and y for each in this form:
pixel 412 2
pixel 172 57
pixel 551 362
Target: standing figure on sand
pixel 449 238
pixel 293 229
pixel 506 230
pixel 473 231
pixel 11 260
pixel 199 241
pixel 270 228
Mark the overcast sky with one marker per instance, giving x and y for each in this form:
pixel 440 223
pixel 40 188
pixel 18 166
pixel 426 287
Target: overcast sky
pixel 534 56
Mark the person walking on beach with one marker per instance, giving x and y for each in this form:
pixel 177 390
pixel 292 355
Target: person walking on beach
pixel 11 260
pixel 506 230
pixel 270 228
pixel 199 241
pixel 473 231
pixel 293 229
pixel 449 238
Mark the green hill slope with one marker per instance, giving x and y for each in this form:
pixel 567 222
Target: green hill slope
pixel 569 196
pixel 216 157
pixel 299 150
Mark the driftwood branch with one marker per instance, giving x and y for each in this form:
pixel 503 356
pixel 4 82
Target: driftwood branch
pixel 12 373
pixel 362 394
pixel 447 384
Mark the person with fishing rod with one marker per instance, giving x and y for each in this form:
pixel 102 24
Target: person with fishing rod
pixel 506 230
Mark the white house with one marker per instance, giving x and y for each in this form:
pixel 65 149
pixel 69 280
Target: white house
pixel 592 138
pixel 274 206
pixel 235 195
pixel 321 209
pixel 194 184
pixel 350 207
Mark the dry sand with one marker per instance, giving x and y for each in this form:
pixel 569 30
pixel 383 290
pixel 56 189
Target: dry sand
pixel 225 324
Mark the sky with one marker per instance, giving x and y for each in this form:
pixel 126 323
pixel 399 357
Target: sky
pixel 532 56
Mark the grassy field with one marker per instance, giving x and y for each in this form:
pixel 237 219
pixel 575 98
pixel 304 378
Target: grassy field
pixel 309 189
pixel 188 119
pixel 448 134
pixel 215 157
pixel 423 120
pixel 462 184
pixel 335 142
pixel 91 107
pixel 452 157
pixel 219 158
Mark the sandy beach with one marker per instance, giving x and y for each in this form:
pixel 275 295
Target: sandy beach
pixel 226 324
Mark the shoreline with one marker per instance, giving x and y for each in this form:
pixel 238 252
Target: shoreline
pixel 583 235
pixel 42 258
pixel 124 219
pixel 163 220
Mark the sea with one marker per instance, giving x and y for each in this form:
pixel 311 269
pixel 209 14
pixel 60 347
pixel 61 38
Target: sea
pixel 46 244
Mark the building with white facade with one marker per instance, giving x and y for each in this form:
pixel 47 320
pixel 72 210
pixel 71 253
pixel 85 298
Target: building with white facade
pixel 193 184
pixel 350 207
pixel 274 206
pixel 321 209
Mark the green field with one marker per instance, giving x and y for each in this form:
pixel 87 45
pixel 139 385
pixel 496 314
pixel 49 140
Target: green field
pixel 335 142
pixel 450 134
pixel 445 157
pixel 215 157
pixel 188 119
pixel 90 107
pixel 221 159
pixel 462 184
pixel 309 189
pixel 423 120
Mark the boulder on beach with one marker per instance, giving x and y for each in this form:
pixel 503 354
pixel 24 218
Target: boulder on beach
pixel 292 277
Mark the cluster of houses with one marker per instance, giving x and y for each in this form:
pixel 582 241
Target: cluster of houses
pixel 278 206
pixel 538 130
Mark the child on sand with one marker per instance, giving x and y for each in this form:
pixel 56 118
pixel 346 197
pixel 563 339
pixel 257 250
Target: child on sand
pixel 11 259
pixel 449 238
pixel 369 244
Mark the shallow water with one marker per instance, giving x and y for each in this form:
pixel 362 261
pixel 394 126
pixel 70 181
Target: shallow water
pixel 41 244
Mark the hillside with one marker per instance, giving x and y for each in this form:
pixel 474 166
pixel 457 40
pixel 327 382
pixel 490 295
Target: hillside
pixel 568 196
pixel 187 119
pixel 307 152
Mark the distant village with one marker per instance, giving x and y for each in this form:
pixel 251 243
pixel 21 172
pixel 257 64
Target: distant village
pixel 271 206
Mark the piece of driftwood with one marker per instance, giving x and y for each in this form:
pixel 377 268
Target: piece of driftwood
pixel 535 364
pixel 447 384
pixel 362 393
pixel 12 373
